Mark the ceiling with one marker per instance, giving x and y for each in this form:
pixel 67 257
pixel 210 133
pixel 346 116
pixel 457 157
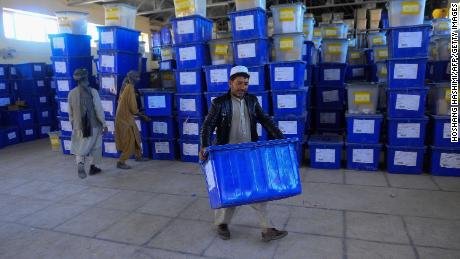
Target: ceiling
pixel 160 11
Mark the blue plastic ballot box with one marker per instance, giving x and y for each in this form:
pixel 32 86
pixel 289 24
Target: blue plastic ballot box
pixel 239 174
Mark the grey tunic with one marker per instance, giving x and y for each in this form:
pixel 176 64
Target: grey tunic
pixel 240 131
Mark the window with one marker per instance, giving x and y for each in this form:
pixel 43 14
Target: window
pixel 21 25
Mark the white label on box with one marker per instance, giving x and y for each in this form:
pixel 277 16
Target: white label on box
pixel 247 50
pixel 64 106
pixel 187 78
pixel 253 78
pixel 108 61
pixel 331 74
pixel 4 101
pixel 219 76
pixel 60 67
pixel 107 37
pixel 58 43
pixel 67 144
pixel 408 130
pixel 43 99
pixel 107 106
pixel 2 86
pixel 12 135
pixel 26 116
pixel 405 71
pixel 446 131
pixel 187 105
pixel 327 118
pixel 40 83
pixel 210 176
pixel 45 114
pixel 63 85
pixel 45 129
pixel 259 129
pixel 66 126
pixel 185 27
pixel 358 71
pixel 288 127
pixel 363 126
pixel 408 102
pixel 37 68
pixel 405 158
pixel 365 156
pixel 450 160
pixel 188 53
pixel 110 147
pixel 284 74
pixel 160 127
pixel 190 128
pixel 410 39
pixel 110 126
pixel 109 84
pixel 288 101
pixel 2 71
pixel 29 132
pixel 162 147
pixel 190 149
pixel 156 102
pixel 325 155
pixel 245 22
pixel 331 96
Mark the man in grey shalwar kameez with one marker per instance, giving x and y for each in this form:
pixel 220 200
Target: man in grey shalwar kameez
pixel 88 124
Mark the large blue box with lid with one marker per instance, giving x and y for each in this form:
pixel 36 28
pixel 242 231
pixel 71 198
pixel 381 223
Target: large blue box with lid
pixel 4 71
pixel 164 149
pixel 9 136
pixel 4 87
pixel 64 85
pixel 407 131
pixel 118 62
pixel 189 149
pixel 163 127
pixel 63 105
pixel 405 160
pixel 438 71
pixel 33 87
pixel 44 116
pixel 157 103
pixel 43 130
pixel 28 133
pixel 109 148
pixel 189 80
pixel 194 28
pixel 287 75
pixel 66 66
pixel 292 126
pixel 118 38
pixel 191 55
pixel 441 132
pixel 329 118
pixel 331 74
pixel 217 78
pixel 363 128
pixel 363 156
pixel 66 145
pixel 357 72
pixel 250 23
pixel 21 118
pixel 329 96
pixel 290 101
pixel 66 44
pixel 408 41
pixel 13 74
pixel 325 151
pixel 30 70
pixel 406 73
pixel 109 105
pixel 251 52
pixel 274 173
pixel 189 127
pixel 66 126
pixel 110 84
pixel 406 103
pixel 445 161
pixel 190 105
pixel 257 78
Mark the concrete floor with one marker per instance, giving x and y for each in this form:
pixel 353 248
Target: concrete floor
pixel 160 210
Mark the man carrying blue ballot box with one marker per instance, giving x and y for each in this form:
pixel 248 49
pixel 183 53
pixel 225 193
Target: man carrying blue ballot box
pixel 235 115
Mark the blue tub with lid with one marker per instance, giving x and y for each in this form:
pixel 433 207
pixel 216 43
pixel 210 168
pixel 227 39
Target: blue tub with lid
pixel 110 84
pixel 163 127
pixel 405 159
pixel 44 116
pixel 364 128
pixel 4 71
pixel 66 44
pixel 33 87
pixel 109 148
pixel 29 133
pixel 118 62
pixel 406 73
pixel 407 131
pixel 331 74
pixel 9 136
pixel 29 70
pixel 118 38
pixel 287 75
pixel 362 156
pixel 66 66
pixel 190 105
pixel 21 118
pixel 290 101
pixel 445 161
pixel 250 23
pixel 190 80
pixel 43 130
pixel 251 52
pixel 64 85
pixel 194 28
pixel 189 127
pixel 329 96
pixel 217 78
pixel 329 118
pixel 440 134
pixel 357 72
pixel 109 105
pixel 409 102
pixel 191 55
pixel 408 41
pixel 325 151
pixel 292 126
pixel 63 105
pixel 4 87
pixel 65 126
pixel 189 149
pixel 66 144
pixel 164 149
pixel 157 103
